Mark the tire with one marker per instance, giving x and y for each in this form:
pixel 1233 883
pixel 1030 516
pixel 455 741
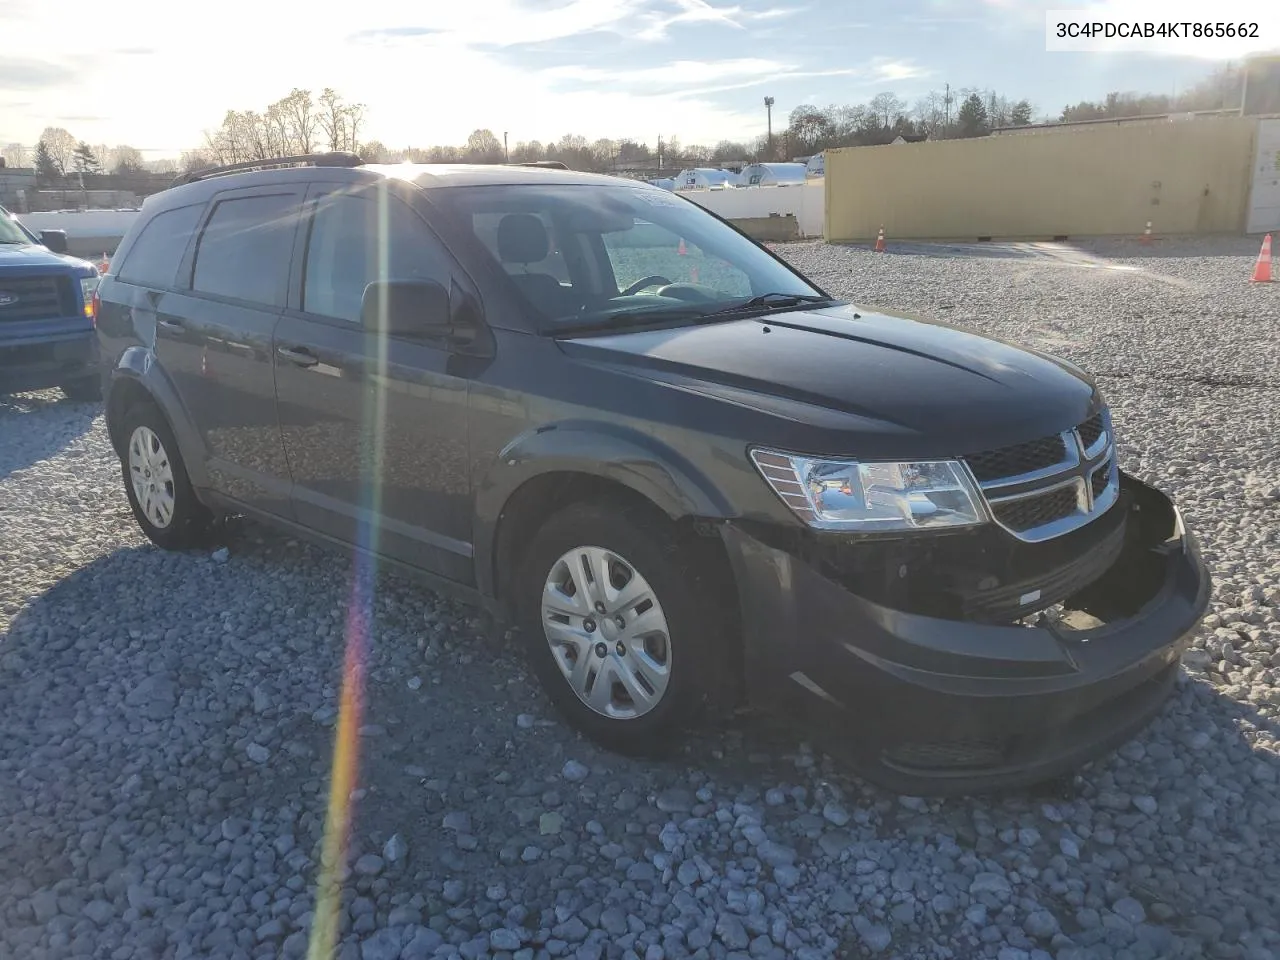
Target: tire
pixel 86 389
pixel 172 517
pixel 686 638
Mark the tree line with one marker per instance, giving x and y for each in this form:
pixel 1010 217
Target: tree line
pixel 300 123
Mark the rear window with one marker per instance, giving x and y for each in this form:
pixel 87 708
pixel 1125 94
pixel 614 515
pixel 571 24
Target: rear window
pixel 155 255
pixel 245 249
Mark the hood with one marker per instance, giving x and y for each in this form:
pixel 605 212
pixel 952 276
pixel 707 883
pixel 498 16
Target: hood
pixel 33 258
pixel 888 373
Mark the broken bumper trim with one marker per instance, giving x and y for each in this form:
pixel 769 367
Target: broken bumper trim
pixel 925 705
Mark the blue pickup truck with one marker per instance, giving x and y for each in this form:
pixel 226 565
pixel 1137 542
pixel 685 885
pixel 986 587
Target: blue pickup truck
pixel 46 314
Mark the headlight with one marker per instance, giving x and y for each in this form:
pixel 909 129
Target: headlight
pixel 847 495
pixel 88 286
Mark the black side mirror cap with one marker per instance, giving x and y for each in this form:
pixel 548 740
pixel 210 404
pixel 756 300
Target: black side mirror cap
pixel 54 240
pixel 416 309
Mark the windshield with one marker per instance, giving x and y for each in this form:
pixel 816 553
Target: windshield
pixel 10 230
pixel 615 256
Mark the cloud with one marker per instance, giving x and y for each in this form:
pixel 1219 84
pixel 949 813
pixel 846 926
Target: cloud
pixel 888 70
pixel 19 74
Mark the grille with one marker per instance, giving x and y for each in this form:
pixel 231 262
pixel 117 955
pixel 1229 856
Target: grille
pixel 37 298
pixel 1031 512
pixel 1018 459
pixel 1091 430
pixel 1101 477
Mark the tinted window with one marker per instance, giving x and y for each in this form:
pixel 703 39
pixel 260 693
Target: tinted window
pixel 154 257
pixel 485 226
pixel 355 240
pixel 245 248
pixel 630 251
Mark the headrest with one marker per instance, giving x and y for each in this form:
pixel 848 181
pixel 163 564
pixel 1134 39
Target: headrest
pixel 522 238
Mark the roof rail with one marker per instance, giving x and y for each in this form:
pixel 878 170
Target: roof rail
pixel 545 164
pixel 335 158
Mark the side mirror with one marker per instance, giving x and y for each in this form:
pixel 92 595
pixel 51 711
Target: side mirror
pixel 406 308
pixel 55 240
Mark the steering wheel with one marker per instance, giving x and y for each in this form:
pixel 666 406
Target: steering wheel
pixel 642 283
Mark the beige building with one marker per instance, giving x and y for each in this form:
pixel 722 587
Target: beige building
pixel 1183 174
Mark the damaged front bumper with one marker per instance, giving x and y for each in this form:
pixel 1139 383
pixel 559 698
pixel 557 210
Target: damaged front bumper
pixel 929 704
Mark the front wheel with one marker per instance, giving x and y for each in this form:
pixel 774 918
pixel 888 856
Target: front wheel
pixel 155 480
pixel 623 619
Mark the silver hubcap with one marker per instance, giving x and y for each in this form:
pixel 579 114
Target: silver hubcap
pixel 152 476
pixel 607 632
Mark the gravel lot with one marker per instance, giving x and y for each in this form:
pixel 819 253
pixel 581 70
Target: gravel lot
pixel 168 719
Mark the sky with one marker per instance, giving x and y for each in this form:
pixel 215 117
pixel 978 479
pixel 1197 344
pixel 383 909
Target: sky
pixel 431 72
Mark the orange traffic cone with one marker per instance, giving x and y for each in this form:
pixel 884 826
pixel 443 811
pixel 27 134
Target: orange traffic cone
pixel 1146 234
pixel 1262 269
pixel 681 249
pixel 880 240
pixel 104 264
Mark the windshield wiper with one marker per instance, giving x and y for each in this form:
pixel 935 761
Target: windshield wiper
pixel 773 301
pixel 20 243
pixel 626 320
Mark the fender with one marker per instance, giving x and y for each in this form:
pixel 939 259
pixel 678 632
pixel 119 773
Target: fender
pixel 636 460
pixel 137 363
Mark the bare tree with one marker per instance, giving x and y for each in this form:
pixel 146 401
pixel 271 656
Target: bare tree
pixel 61 146
pixel 332 118
pixel 886 108
pixel 16 155
pixel 299 112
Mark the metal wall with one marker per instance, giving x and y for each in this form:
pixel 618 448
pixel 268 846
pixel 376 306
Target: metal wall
pixel 1188 176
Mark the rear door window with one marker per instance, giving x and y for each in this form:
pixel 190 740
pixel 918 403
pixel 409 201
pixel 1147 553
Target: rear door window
pixel 245 249
pixel 154 257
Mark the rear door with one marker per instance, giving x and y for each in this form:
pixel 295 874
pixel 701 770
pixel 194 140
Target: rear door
pixel 375 428
pixel 214 339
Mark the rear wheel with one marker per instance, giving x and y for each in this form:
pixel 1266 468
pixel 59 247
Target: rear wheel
pixel 156 482
pixel 623 620
pixel 85 389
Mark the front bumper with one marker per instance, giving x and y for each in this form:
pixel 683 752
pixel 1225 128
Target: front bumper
pixel 33 363
pixel 927 705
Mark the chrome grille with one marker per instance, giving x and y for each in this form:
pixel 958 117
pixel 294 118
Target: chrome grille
pixel 30 298
pixel 1044 488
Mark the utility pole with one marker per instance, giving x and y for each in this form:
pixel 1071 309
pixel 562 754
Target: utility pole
pixel 659 151
pixel 506 154
pixel 768 109
pixel 946 104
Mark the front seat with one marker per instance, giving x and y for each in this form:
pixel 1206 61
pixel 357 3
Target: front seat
pixel 522 240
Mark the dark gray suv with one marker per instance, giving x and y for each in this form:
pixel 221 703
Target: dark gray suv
pixel 687 473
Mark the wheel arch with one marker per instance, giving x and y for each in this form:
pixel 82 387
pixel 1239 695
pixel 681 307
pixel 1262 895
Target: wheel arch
pixel 549 468
pixel 137 378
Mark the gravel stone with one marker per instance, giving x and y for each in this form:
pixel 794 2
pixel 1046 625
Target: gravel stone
pixel 169 718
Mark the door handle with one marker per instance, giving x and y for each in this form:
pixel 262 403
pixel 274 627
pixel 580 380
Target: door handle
pixel 170 324
pixel 298 355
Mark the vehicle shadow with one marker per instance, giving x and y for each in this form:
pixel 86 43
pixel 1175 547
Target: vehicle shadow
pixel 62 421
pixel 249 649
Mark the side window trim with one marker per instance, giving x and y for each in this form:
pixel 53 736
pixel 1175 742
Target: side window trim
pixel 187 268
pixel 176 281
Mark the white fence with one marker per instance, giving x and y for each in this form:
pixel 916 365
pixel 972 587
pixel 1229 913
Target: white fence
pixel 805 202
pixel 81 223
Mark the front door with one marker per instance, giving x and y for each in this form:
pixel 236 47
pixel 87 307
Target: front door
pixel 214 340
pixel 374 428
